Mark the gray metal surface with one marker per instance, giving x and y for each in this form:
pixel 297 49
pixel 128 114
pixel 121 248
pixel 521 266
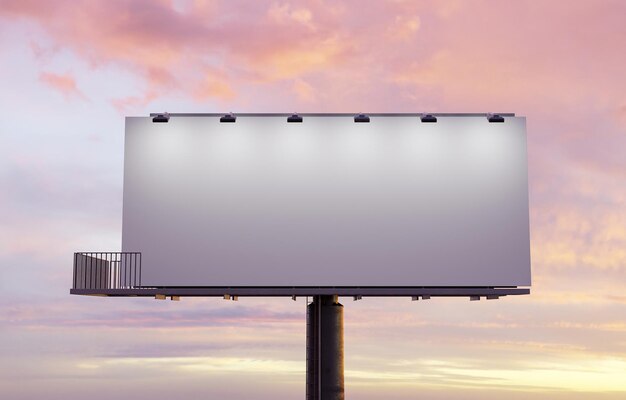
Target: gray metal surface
pixel 327 202
pixel 415 115
pixel 309 291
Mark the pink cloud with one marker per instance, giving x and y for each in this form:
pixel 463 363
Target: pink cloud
pixel 286 14
pixel 306 93
pixel 62 83
pixel 558 63
pixel 402 56
pixel 260 43
pixel 215 85
pixel 130 103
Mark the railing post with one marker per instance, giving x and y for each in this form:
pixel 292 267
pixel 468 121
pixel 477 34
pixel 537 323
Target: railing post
pixel 139 269
pixel 106 270
pixel 74 276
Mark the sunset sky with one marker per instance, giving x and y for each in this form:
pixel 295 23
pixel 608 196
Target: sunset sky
pixel 71 71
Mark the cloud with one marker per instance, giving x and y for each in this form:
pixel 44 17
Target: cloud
pixel 185 50
pixel 63 83
pixel 146 316
pixel 404 27
pixel 306 93
pixel 215 85
pixel 300 60
pixel 65 191
pixel 128 104
pixel 569 238
pixel 284 14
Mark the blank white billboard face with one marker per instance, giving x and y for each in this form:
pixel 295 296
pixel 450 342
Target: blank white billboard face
pixel 327 202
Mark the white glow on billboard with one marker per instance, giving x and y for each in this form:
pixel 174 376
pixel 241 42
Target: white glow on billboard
pixel 328 202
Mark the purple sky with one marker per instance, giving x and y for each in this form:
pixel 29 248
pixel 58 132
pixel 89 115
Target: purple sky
pixel 70 71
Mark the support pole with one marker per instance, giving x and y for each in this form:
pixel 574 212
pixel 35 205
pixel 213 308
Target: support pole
pixel 324 349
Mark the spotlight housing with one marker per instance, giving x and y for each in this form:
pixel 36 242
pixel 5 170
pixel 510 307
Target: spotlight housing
pixel 228 118
pixel 495 118
pixel 163 118
pixel 428 118
pixel 294 118
pixel 361 118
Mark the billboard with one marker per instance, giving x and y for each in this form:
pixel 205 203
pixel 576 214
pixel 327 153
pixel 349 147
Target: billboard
pixel 327 202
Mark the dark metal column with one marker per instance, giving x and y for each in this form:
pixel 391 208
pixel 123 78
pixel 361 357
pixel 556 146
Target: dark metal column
pixel 324 349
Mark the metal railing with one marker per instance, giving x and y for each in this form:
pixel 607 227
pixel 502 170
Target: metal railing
pixel 107 270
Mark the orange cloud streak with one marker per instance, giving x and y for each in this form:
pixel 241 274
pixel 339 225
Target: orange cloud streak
pixel 63 83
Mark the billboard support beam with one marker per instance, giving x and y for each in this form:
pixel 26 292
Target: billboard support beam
pixel 324 349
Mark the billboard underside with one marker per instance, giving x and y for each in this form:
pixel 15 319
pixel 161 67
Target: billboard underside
pixel 327 202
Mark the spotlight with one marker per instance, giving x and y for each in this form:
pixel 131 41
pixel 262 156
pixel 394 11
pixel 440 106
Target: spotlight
pixel 361 118
pixel 426 297
pixel 226 297
pixel 294 118
pixel 493 297
pixel 175 298
pixel 495 118
pixel 428 118
pixel 160 297
pixel 474 298
pixel 165 117
pixel 228 118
